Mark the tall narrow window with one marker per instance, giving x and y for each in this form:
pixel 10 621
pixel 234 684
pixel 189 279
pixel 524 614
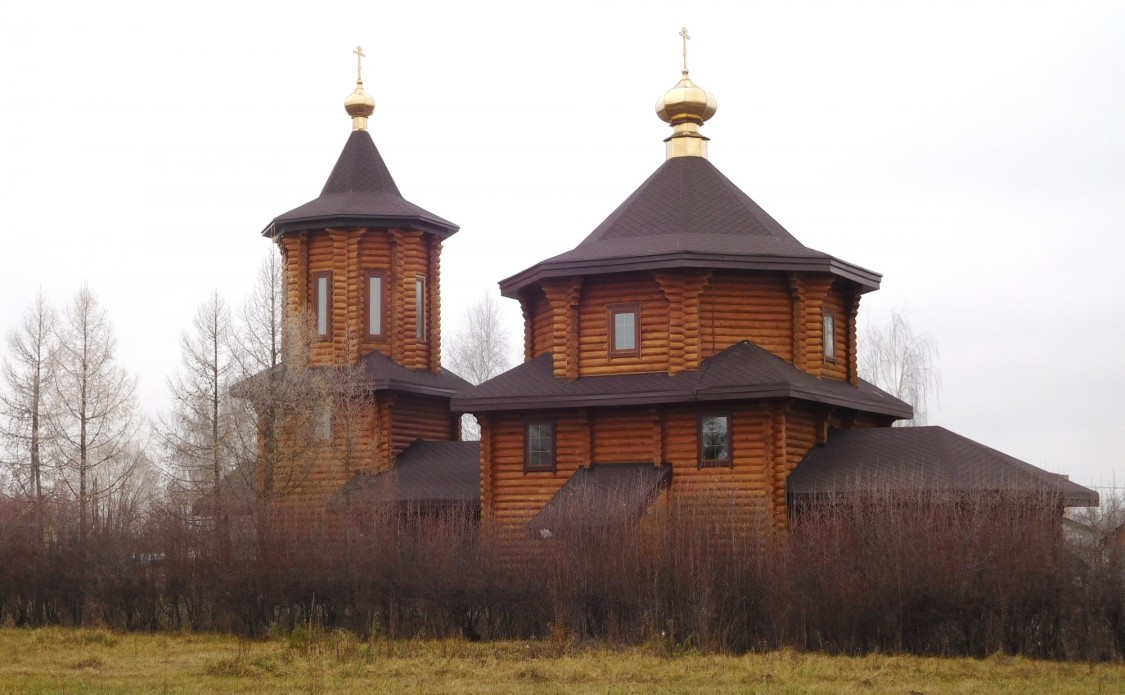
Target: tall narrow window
pixel 714 440
pixel 376 284
pixel 624 330
pixel 420 306
pixel 540 445
pixel 830 337
pixel 322 286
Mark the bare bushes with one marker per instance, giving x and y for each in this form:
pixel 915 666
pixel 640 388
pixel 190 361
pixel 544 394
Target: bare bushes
pixel 969 575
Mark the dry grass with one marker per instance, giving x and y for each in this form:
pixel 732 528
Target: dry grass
pixel 52 660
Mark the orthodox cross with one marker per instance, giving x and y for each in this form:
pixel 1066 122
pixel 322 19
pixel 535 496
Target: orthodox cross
pixel 684 34
pixel 359 56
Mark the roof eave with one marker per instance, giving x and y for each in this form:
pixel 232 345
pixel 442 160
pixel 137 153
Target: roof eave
pixel 440 228
pixel 867 280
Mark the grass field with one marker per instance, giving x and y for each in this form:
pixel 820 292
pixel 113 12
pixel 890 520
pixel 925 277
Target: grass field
pixel 61 660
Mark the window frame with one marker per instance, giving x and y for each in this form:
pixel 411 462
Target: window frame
pixel 728 462
pixel 612 311
pixel 527 466
pixel 326 275
pixel 828 316
pixel 421 318
pixel 367 277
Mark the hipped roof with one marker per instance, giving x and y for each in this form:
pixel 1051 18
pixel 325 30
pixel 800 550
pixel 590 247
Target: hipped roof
pixel 688 215
pixel 360 192
pixel 904 460
pixel 742 371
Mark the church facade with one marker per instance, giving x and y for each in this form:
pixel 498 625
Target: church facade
pixel 689 350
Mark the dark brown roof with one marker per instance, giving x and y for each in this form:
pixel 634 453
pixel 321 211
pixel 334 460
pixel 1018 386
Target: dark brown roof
pixel 922 459
pixel 383 373
pixel 742 371
pixel 601 496
pixel 688 215
pixel 360 192
pixel 426 473
pixel 380 373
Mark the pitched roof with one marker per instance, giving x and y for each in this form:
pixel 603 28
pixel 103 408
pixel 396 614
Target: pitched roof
pixel 360 192
pixel 742 371
pixel 922 459
pixel 603 495
pixel 424 473
pixel 688 215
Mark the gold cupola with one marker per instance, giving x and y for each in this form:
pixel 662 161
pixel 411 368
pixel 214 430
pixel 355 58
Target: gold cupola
pixel 359 104
pixel 686 107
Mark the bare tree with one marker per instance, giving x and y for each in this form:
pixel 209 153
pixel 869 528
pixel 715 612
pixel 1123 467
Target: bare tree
pixel 477 351
pixel 259 334
pixel 902 364
pixel 24 402
pixel 95 427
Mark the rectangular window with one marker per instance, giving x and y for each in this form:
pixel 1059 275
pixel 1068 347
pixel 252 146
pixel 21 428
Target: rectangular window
pixel 624 330
pixel 715 441
pixel 376 284
pixel 322 291
pixel 830 337
pixel 420 306
pixel 540 446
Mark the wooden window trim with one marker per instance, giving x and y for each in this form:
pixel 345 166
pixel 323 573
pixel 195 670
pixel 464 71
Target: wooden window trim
pixel 827 315
pixel 383 333
pixel 327 275
pixel 527 467
pixel 611 313
pixel 421 320
pixel 716 463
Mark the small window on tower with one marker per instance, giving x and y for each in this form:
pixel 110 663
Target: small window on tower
pixel 624 330
pixel 322 302
pixel 420 306
pixel 830 337
pixel 540 446
pixel 376 283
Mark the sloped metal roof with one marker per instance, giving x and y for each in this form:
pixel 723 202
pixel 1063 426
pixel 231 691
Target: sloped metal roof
pixel 922 459
pixel 742 371
pixel 688 215
pixel 601 496
pixel 360 192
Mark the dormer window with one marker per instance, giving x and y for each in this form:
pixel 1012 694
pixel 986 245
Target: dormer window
pixel 376 286
pixel 829 336
pixel 624 330
pixel 322 303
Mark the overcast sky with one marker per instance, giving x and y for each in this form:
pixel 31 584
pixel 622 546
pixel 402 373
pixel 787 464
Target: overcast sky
pixel 973 153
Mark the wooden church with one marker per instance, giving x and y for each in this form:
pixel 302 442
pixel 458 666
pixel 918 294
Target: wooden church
pixel 690 351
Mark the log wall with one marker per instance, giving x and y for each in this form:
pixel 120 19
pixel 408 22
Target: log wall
pixel 769 440
pixel 419 417
pixel 593 325
pixel 755 307
pixel 403 256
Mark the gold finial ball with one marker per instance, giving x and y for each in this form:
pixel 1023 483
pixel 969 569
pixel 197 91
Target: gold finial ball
pixel 687 102
pixel 359 103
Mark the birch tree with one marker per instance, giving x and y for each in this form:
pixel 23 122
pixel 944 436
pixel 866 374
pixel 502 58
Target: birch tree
pixel 477 351
pixel 902 364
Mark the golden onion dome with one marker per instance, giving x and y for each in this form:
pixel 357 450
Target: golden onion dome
pixel 687 102
pixel 359 104
pixel 686 107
